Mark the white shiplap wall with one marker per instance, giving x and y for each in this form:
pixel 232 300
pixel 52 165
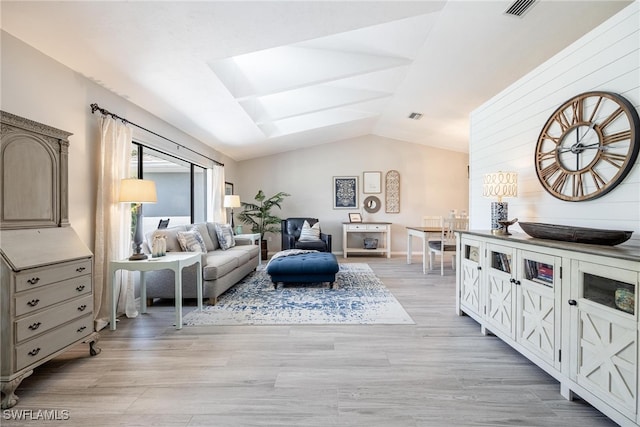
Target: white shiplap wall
pixel 504 130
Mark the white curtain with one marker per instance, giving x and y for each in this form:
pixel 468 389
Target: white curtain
pixel 218 212
pixel 113 221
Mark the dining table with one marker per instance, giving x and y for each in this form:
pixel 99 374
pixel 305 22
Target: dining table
pixel 422 233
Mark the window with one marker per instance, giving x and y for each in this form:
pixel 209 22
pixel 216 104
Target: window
pixel 181 187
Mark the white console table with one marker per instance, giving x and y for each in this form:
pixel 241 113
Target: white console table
pixel 381 229
pixel 175 261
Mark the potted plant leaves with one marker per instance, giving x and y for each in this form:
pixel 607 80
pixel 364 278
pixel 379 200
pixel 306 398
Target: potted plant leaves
pixel 259 216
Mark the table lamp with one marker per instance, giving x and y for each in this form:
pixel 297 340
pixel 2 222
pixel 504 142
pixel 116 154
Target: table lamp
pixel 138 191
pixel 231 201
pixel 499 185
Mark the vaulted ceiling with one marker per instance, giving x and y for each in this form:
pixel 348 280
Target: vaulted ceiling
pixel 257 78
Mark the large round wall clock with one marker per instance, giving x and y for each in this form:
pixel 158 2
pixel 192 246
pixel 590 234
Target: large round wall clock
pixel 588 146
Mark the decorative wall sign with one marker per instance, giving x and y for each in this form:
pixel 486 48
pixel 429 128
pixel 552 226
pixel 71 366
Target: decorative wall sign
pixel 355 217
pixel 392 192
pixel 371 182
pixel 345 192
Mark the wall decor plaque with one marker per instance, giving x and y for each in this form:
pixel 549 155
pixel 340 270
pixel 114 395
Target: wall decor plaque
pixel 392 192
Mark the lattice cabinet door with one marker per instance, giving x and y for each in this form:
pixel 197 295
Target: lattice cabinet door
pixel 471 295
pixel 538 305
pixel 501 290
pixel 604 318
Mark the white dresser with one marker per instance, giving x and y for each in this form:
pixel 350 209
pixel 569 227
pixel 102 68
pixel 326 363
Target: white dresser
pixel 354 233
pixel 46 294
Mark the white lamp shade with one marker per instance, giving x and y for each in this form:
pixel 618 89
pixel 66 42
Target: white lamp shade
pixel 500 184
pixel 134 190
pixel 231 201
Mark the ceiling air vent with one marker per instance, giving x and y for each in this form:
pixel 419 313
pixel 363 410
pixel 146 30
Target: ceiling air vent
pixel 415 116
pixel 519 7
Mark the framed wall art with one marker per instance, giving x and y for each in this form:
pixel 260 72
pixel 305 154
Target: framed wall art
pixel 371 182
pixel 355 217
pixel 345 192
pixel 228 188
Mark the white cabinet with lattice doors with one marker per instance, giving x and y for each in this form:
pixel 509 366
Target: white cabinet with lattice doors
pixel 470 293
pixel 567 307
pixel 604 333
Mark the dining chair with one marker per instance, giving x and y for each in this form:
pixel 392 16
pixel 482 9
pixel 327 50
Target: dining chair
pixel 447 242
pixel 431 221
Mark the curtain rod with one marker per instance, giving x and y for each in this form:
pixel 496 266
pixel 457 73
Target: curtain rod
pixel 95 107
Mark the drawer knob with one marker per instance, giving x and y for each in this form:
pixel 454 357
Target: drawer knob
pixel 35 326
pixel 33 302
pixel 82 328
pixel 33 280
pixel 80 269
pixel 34 351
pixel 573 302
pixel 83 307
pixel 80 288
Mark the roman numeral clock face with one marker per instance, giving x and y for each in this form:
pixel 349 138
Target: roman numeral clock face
pixel 587 146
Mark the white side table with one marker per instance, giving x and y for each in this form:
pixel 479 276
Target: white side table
pixel 255 239
pixel 175 261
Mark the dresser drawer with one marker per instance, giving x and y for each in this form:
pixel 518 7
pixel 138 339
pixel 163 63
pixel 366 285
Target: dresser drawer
pixel 45 320
pixel 38 348
pixel 35 277
pixel 376 227
pixel 42 297
pixel 359 227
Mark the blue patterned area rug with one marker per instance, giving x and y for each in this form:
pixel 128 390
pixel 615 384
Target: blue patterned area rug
pixel 358 297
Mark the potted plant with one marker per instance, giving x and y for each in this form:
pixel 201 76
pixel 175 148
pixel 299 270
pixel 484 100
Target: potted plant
pixel 259 216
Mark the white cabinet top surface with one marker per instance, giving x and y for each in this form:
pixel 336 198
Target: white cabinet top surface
pixel 629 250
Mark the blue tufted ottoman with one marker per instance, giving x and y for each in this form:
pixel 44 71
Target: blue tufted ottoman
pixel 312 267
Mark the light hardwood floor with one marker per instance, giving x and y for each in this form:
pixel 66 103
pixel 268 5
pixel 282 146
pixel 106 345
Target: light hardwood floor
pixel 439 372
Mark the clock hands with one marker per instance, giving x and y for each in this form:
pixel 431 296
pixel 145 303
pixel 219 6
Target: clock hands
pixel 579 148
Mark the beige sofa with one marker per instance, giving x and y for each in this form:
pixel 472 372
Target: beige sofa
pixel 221 268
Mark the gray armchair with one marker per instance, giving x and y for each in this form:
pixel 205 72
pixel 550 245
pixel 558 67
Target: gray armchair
pixel 291 228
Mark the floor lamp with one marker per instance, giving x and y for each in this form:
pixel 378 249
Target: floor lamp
pixel 498 185
pixel 137 191
pixel 232 201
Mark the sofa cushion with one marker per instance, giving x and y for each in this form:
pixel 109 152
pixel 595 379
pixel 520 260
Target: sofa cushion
pixel 225 236
pixel 191 241
pixel 204 232
pixel 218 264
pixel 170 234
pixel 317 245
pixel 243 253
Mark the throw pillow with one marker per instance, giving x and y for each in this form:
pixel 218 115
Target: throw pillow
pixel 204 232
pixel 309 233
pixel 225 236
pixel 191 241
